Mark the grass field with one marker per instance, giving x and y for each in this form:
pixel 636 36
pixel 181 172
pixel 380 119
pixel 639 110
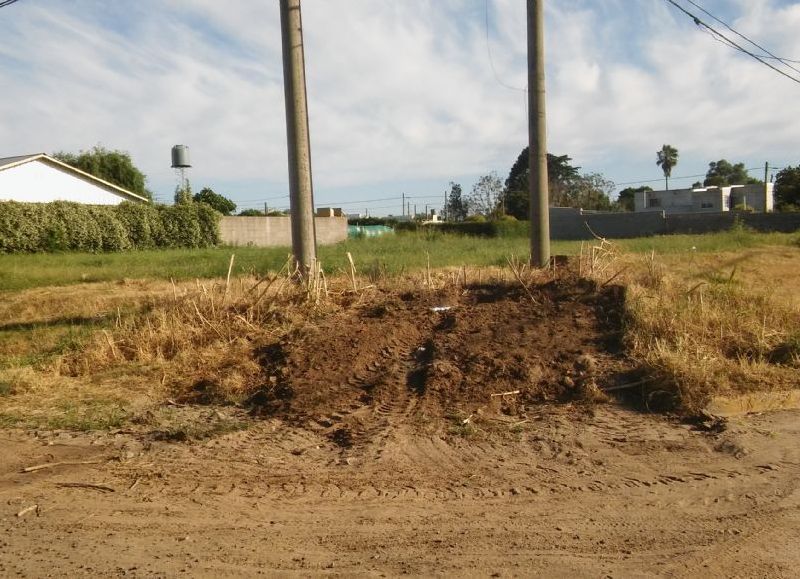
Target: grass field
pixel 391 255
pixel 92 341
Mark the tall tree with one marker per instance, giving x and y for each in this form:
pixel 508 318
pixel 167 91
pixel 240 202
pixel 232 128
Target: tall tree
pixel 113 166
pixel 217 201
pixel 561 175
pixel 667 158
pixel 787 189
pixel 590 192
pixel 486 195
pixel 456 208
pixel 722 173
pixel 626 200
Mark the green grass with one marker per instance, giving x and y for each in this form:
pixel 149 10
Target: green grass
pixel 732 240
pixel 88 416
pixel 387 255
pixel 39 343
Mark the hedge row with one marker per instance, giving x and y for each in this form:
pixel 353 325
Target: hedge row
pixel 64 226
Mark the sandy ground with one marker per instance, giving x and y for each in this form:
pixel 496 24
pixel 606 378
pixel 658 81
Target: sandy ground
pixel 577 491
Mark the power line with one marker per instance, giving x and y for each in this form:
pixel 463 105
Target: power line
pixel 5 3
pixel 677 178
pixel 491 59
pixel 733 44
pixel 740 35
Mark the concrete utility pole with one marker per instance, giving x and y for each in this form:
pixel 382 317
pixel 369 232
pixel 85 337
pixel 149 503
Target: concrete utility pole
pixel 301 191
pixel 537 138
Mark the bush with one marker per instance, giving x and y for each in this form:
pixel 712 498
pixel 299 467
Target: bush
pixel 113 235
pixel 142 222
pixel 501 228
pixel 64 226
pixel 208 220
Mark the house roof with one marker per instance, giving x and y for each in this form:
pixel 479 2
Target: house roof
pixel 15 160
pixel 9 162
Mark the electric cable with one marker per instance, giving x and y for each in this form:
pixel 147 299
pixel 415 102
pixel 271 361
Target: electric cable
pixel 491 59
pixel 740 35
pixel 733 44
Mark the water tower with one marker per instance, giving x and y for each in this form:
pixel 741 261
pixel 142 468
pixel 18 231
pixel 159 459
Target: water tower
pixel 180 162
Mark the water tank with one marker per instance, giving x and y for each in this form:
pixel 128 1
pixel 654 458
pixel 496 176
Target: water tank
pixel 180 156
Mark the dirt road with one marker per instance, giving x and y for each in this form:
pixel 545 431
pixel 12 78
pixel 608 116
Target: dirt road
pixel 574 492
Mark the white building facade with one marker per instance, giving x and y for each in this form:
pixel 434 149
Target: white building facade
pixel 758 198
pixel 43 179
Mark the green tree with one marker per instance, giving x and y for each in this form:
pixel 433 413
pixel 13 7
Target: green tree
pixel 787 189
pixel 113 166
pixel 456 207
pixel 626 200
pixel 486 195
pixel 251 213
pixel 591 191
pixel 667 158
pixel 561 175
pixel 721 173
pixel 217 201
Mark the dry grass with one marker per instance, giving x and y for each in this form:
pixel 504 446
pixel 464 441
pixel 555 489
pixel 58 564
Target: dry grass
pixel 141 345
pixel 720 325
pixel 103 355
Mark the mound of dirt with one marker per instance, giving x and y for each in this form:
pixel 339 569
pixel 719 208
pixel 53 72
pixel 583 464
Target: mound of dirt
pixel 412 357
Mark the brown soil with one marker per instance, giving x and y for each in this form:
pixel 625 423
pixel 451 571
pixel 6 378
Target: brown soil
pixel 578 493
pixel 376 448
pixel 415 358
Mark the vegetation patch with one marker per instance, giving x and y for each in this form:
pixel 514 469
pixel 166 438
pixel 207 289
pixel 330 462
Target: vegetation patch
pixel 65 226
pixel 345 351
pixel 701 333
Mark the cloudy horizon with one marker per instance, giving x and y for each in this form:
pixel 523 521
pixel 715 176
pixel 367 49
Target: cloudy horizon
pixel 404 97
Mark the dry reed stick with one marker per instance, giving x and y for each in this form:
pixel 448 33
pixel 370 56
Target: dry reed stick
pixel 428 270
pixel 205 321
pixel 228 279
pixel 519 279
pixel 352 272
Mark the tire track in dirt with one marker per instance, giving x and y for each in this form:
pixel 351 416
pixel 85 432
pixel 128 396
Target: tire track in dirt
pixel 279 461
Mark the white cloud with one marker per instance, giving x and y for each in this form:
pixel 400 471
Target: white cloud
pixel 402 94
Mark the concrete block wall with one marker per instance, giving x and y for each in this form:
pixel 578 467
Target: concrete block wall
pixel 571 224
pixel 781 222
pixel 277 231
pixel 699 222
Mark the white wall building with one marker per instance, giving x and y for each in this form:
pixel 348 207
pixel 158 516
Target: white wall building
pixel 42 179
pixel 707 199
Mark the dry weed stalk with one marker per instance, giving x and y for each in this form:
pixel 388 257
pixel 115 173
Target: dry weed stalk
pixel 520 269
pixel 204 331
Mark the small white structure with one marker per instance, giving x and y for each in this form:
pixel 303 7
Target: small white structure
pixel 42 179
pixel 710 199
pixel 433 218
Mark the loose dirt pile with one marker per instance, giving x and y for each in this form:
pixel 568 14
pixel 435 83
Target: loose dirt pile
pixel 415 357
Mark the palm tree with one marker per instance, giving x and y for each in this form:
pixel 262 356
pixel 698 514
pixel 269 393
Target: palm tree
pixel 667 158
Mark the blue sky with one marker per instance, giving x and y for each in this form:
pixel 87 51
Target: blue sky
pixel 403 98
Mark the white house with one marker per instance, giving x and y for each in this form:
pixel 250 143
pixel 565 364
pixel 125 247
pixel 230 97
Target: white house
pixel 42 179
pixel 710 199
